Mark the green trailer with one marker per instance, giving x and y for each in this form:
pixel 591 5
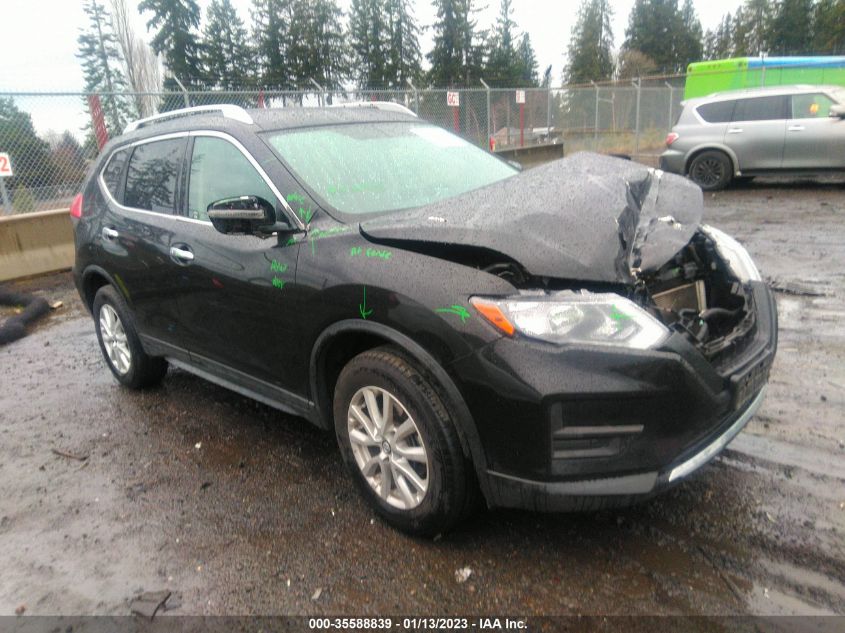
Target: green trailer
pixel 704 78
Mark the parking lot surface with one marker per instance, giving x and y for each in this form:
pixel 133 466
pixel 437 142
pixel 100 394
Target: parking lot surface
pixel 238 509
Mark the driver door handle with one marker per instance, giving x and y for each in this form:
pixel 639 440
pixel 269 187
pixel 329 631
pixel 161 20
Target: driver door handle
pixel 796 128
pixel 182 255
pixel 734 130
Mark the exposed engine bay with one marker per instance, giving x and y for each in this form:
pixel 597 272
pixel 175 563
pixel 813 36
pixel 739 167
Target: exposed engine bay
pixel 697 294
pixel 694 293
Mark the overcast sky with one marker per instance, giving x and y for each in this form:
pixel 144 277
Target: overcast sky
pixel 38 45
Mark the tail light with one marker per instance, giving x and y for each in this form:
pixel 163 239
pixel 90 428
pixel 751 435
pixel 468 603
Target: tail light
pixel 671 137
pixel 76 207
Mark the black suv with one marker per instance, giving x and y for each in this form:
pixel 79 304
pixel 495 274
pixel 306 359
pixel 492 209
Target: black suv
pixel 568 337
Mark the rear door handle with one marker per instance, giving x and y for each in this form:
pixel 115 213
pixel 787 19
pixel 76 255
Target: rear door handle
pixel 796 128
pixel 182 255
pixel 109 233
pixel 735 130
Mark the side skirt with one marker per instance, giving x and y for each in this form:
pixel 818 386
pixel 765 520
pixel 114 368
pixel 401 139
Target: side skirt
pixel 234 380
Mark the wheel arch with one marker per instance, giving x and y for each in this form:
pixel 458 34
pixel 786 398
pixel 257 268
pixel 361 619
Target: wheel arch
pixel 341 341
pixel 94 278
pixel 724 149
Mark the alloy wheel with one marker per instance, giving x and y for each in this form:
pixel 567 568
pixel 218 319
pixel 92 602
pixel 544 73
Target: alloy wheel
pixel 114 339
pixel 388 447
pixel 708 171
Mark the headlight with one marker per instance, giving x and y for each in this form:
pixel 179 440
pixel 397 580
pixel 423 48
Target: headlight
pixel 733 253
pixel 567 317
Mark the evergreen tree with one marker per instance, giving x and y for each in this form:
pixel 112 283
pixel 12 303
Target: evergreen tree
pixel 101 65
pixel 526 63
pixel 369 40
pixel 829 23
pixel 504 66
pixel 547 77
pixel 792 27
pixel 316 48
pixel 226 55
pixel 691 40
pixel 271 32
pixel 176 22
pixel 752 28
pixel 404 45
pixel 458 54
pixel 590 52
pixel 31 155
pixel 719 42
pixel 655 28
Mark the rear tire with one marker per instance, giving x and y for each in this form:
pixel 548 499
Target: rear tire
pixel 410 468
pixel 711 170
pixel 119 342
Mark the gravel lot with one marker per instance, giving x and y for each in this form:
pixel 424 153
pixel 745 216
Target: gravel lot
pixel 239 509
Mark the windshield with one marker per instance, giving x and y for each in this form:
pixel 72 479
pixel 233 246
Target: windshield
pixel 371 167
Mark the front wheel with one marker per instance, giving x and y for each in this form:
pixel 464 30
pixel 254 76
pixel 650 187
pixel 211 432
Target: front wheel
pixel 400 444
pixel 711 170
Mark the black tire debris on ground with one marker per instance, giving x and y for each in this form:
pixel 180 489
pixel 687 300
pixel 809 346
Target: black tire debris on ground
pixel 14 327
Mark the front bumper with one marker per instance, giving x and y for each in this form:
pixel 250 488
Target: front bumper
pixel 563 422
pixel 512 492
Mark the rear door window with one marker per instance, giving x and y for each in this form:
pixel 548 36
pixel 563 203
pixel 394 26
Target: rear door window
pixel 717 112
pixel 113 172
pixel 811 106
pixel 761 109
pixel 219 170
pixel 152 175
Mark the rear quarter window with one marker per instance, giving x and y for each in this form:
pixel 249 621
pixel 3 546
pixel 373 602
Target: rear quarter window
pixel 113 172
pixel 152 175
pixel 717 112
pixel 761 109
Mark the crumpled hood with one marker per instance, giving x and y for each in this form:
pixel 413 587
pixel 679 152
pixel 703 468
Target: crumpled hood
pixel 586 217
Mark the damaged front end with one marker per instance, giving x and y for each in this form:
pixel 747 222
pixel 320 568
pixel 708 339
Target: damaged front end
pixel 700 294
pixel 601 251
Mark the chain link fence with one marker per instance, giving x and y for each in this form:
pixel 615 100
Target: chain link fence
pixel 52 138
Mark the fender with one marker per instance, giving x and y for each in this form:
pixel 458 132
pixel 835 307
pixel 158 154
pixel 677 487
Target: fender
pixel 92 269
pixel 719 147
pixel 467 433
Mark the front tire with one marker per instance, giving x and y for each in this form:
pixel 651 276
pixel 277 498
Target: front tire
pixel 120 344
pixel 711 170
pixel 400 443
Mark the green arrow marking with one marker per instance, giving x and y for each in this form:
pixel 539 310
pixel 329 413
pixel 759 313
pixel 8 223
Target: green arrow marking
pixel 362 307
pixel 457 310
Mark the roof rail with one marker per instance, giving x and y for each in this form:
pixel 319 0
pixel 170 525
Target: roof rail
pixel 387 106
pixel 227 110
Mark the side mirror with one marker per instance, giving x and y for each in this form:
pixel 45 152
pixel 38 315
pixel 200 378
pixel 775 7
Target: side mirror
pixel 837 111
pixel 244 215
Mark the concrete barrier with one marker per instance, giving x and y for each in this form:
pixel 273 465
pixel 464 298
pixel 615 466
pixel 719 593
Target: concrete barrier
pixel 35 243
pixel 532 155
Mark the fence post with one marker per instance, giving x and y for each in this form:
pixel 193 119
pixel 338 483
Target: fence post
pixel 416 96
pixel 638 85
pixel 320 94
pixel 671 102
pixel 549 112
pixel 596 122
pixel 487 89
pixel 7 204
pixel 184 91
